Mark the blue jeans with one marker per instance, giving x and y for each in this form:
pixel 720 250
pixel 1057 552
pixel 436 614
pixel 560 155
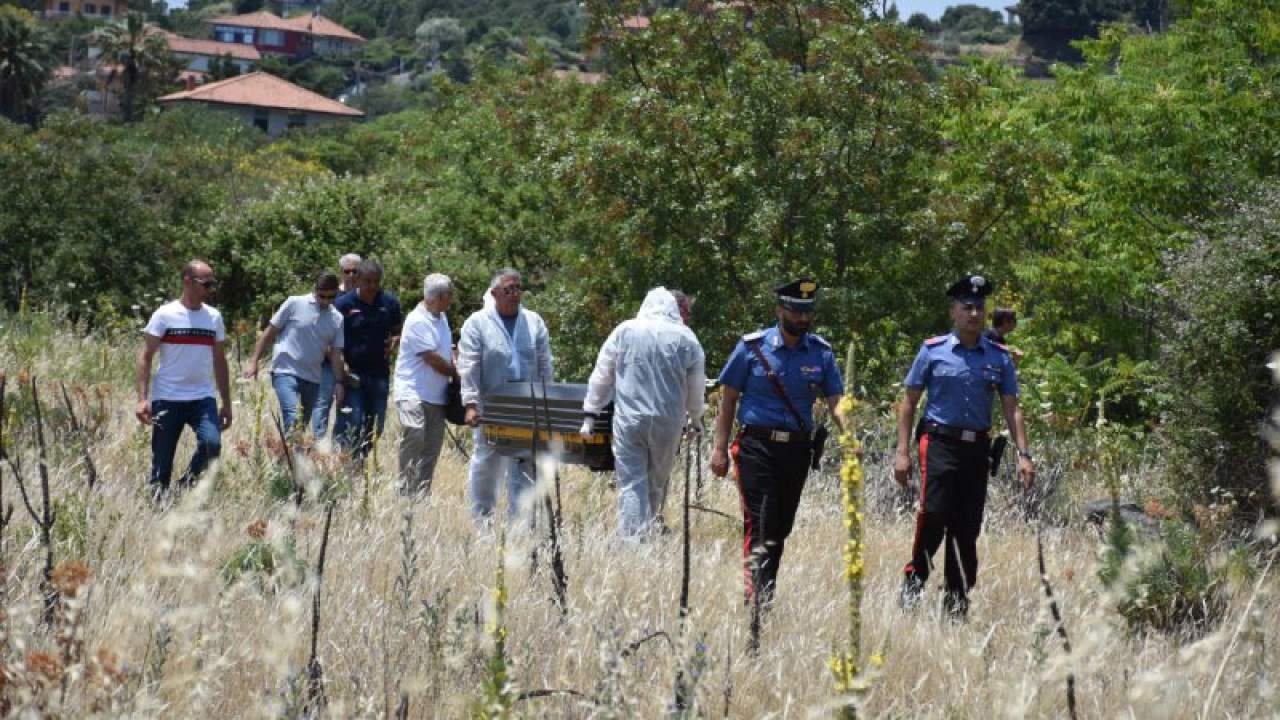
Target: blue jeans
pixel 297 397
pixel 324 401
pixel 168 419
pixel 362 415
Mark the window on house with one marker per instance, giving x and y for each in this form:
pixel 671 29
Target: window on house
pixel 64 7
pixel 297 120
pixel 106 11
pixel 274 38
pixel 262 120
pixel 89 9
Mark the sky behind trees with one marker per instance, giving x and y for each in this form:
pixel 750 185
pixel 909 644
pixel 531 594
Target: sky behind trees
pixel 934 8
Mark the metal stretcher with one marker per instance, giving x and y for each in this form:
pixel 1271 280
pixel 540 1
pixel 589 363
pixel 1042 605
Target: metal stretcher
pixel 512 414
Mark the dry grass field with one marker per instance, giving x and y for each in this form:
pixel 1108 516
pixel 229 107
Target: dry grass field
pixel 152 620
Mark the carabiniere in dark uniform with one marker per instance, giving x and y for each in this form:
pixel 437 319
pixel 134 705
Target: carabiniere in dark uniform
pixel 778 373
pixel 960 372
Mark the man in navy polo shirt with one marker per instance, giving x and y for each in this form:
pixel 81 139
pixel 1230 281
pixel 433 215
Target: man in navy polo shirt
pixel 960 371
pixel 371 321
pixel 773 448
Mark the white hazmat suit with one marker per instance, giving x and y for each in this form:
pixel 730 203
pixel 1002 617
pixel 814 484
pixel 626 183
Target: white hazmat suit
pixel 653 370
pixel 488 357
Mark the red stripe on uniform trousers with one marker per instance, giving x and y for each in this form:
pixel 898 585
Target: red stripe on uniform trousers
pixel 746 516
pixel 924 479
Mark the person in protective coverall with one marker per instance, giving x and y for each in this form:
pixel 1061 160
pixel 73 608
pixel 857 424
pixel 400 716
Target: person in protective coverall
pixel 501 343
pixel 653 369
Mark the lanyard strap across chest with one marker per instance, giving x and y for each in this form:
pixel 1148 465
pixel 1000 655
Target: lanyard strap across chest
pixel 777 385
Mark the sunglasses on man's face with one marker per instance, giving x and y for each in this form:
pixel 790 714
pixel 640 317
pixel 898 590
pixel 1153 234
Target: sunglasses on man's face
pixel 326 296
pixel 350 271
pixel 206 283
pixel 509 290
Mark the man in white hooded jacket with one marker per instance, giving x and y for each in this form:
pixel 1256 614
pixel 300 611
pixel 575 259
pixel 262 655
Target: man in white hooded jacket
pixel 653 369
pixel 499 344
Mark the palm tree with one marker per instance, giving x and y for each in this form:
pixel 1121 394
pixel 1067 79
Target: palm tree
pixel 25 61
pixel 140 54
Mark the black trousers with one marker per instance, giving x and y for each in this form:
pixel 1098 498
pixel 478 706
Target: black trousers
pixel 770 477
pixel 953 495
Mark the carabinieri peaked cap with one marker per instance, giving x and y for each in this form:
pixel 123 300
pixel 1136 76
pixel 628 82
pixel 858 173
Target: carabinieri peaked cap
pixel 970 289
pixel 798 295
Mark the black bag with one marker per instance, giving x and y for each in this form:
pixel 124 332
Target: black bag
pixel 818 442
pixel 454 412
pixel 819 445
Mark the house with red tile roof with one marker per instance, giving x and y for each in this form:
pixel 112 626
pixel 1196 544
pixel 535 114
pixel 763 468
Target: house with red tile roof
pixel 197 55
pixel 265 101
pixel 295 38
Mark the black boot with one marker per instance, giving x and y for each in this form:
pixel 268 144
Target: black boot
pixel 909 595
pixel 955 606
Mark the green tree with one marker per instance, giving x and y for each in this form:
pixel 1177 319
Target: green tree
pixel 1220 327
pixel 437 36
pixel 923 23
pixel 25 63
pixel 223 67
pixel 1050 26
pixel 965 18
pixel 146 66
pixel 731 154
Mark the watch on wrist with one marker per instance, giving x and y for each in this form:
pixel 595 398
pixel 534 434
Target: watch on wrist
pixel 1026 454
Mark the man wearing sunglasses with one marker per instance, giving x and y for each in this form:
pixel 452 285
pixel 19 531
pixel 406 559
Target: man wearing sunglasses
pixel 501 343
pixel 187 335
pixel 348 269
pixel 304 331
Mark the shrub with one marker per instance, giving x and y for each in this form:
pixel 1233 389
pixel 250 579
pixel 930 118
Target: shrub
pixel 1220 327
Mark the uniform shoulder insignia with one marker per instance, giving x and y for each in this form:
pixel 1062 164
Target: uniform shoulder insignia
pixel 752 337
pixel 936 340
pixel 820 340
pixel 999 346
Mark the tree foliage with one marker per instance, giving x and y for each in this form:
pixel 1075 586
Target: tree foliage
pixel 723 154
pixel 26 60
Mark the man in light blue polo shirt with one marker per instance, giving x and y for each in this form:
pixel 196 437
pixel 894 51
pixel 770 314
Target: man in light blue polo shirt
pixel 960 372
pixel 304 331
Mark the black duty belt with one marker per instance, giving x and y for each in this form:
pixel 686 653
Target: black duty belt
pixel 775 434
pixel 955 433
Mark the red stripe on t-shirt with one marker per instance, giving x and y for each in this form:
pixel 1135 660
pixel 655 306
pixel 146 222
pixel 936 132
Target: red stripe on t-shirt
pixel 188 340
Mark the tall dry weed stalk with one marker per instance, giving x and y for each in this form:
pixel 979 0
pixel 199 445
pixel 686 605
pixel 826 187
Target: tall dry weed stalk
pixel 316 699
pixel 1060 626
pixel 82 436
pixel 45 518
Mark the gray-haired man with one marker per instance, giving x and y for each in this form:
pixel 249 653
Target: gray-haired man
pixel 499 344
pixel 423 372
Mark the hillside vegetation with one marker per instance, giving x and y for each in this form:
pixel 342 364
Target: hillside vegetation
pixel 1129 209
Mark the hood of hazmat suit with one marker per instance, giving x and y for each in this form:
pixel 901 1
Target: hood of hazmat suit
pixel 489 356
pixel 651 366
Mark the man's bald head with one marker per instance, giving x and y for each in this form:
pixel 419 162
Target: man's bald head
pixel 196 268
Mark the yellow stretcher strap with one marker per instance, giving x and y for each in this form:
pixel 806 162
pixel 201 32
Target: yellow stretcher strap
pixel 506 432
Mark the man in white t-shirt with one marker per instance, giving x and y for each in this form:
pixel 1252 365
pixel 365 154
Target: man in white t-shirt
pixel 187 335
pixel 304 330
pixel 423 372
